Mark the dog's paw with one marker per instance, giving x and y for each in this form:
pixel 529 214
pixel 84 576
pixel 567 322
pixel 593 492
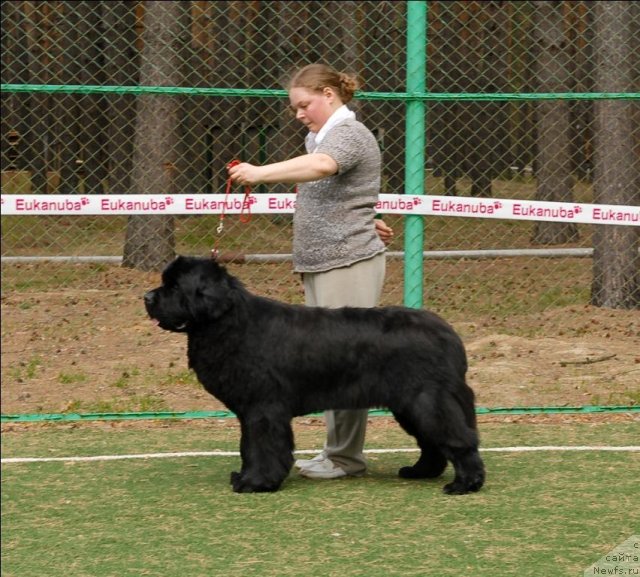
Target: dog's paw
pixel 242 484
pixel 238 484
pixel 420 471
pixel 455 489
pixel 470 485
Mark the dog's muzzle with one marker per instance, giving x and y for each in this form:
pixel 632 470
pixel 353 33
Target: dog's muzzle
pixel 168 324
pixel 149 298
pixel 150 303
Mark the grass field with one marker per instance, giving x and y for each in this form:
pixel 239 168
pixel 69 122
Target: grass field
pixel 547 513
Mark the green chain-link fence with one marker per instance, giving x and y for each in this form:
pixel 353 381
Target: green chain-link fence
pixel 76 119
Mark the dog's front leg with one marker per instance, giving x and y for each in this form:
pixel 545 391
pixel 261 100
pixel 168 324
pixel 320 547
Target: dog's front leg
pixel 266 449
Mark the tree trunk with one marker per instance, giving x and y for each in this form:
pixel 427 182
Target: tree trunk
pixel 70 129
pixel 14 68
pixel 522 80
pixel 616 263
pixel 448 121
pixel 92 106
pixel 38 136
pixel 582 112
pixel 226 53
pixel 384 21
pixel 487 152
pixel 150 240
pixel 554 178
pixel 121 69
pixel 292 45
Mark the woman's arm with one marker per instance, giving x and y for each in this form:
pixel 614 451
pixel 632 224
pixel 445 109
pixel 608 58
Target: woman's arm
pixel 305 168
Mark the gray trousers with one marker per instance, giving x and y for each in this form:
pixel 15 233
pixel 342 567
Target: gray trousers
pixel 358 285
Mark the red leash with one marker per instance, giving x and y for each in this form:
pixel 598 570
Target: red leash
pixel 245 217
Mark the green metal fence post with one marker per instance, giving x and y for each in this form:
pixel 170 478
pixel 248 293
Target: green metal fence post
pixel 414 148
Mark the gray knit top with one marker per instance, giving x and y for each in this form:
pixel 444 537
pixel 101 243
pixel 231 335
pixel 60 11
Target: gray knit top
pixel 333 222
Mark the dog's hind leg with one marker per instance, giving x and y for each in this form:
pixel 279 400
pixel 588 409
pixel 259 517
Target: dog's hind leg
pixel 266 448
pixel 431 463
pixel 443 432
pixel 460 446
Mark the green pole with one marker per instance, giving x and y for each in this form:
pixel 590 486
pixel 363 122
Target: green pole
pixel 414 149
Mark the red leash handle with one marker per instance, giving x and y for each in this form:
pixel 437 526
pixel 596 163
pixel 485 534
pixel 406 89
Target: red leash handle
pixel 245 217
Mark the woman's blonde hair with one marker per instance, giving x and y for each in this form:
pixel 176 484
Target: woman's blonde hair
pixel 316 77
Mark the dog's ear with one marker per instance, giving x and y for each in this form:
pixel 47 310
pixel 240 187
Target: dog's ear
pixel 213 292
pixel 177 267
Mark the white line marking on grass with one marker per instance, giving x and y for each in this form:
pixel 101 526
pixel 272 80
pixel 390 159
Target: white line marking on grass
pixel 301 452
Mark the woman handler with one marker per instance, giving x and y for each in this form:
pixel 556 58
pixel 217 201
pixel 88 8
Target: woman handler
pixel 338 244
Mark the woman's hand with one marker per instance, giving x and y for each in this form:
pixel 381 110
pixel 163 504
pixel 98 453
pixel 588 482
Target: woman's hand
pixel 385 232
pixel 245 173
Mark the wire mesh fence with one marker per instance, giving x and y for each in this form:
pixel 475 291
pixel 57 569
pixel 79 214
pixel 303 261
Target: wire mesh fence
pixel 74 122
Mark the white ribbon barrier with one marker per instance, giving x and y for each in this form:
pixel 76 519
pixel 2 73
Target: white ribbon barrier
pixel 427 205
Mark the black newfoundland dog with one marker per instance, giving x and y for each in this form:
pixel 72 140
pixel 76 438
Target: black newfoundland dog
pixel 269 361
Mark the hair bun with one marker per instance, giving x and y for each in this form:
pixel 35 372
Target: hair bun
pixel 349 82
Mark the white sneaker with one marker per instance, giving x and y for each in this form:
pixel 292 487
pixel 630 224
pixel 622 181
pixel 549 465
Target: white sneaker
pixel 305 463
pixel 322 469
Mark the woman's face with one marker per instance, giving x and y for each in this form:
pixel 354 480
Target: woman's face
pixel 313 108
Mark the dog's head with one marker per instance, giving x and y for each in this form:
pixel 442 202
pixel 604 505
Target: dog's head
pixel 194 291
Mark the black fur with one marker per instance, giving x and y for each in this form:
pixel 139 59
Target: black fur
pixel 269 361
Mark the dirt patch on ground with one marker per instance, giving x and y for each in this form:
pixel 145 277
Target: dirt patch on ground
pixel 587 370
pixel 96 351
